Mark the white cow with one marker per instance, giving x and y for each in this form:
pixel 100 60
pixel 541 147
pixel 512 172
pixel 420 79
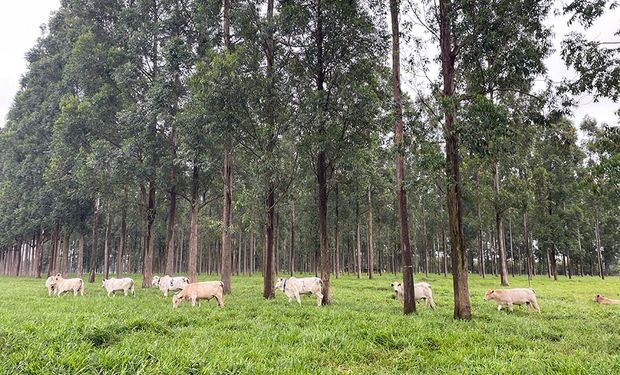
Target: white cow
pixel 50 285
pixel 112 285
pixel 422 291
pixel 64 285
pixel 174 284
pixel 293 287
pixel 510 297
pixel 196 291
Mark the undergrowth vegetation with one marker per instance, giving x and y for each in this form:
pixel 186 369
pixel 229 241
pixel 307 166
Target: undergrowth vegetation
pixel 364 331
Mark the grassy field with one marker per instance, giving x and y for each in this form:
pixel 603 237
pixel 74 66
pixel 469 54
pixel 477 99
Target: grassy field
pixel 364 331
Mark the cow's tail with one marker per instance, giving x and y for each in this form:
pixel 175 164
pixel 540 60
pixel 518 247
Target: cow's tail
pixel 532 289
pixel 133 289
pixel 81 289
pixel 222 284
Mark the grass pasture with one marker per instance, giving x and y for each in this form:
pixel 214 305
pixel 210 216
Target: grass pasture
pixel 364 331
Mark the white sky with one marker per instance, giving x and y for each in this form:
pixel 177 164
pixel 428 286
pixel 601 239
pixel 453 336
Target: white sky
pixel 20 22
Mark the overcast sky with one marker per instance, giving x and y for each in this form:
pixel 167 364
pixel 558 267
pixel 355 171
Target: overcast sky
pixel 20 23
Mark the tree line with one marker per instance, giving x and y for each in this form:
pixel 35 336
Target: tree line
pixel 242 136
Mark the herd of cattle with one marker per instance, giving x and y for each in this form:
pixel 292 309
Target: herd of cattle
pixel 292 287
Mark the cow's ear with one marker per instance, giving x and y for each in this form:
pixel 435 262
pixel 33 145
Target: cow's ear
pixel 492 290
pixel 399 284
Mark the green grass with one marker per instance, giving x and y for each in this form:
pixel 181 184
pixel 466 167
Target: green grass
pixel 364 331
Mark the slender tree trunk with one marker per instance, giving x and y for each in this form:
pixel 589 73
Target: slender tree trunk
pixel 268 265
pixel 172 210
pixel 528 249
pixel 80 260
pixel 401 195
pixel 371 261
pixel 337 236
pixel 226 249
pixel 120 253
pixel 358 242
pixel 501 237
pixel 597 239
pixel 148 196
pixel 106 246
pixel 240 248
pixel 292 250
pixel 92 270
pixel 251 252
pixel 192 274
pixel 425 241
pixel 52 253
pixel 512 254
pixel 38 255
pixel 462 307
pixel 64 268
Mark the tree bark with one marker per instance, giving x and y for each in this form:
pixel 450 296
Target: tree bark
pixel 358 242
pixel 499 224
pixel 92 269
pixel 148 197
pixel 172 209
pixel 268 267
pixel 462 307
pixel 226 246
pixel 193 227
pixel 38 255
pixel 292 250
pixel 337 238
pixel 121 243
pixel 597 239
pixel 371 260
pixel 106 246
pixel 528 249
pixel 79 269
pixel 401 195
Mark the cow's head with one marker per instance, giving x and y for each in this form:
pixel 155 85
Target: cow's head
pixel 280 284
pixel 599 298
pixel 396 286
pixel 489 295
pixel 177 299
pixel 103 282
pixel 57 278
pixel 155 281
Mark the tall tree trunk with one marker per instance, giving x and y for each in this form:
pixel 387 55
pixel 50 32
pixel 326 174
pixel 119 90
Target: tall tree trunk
pixel 252 247
pixel 425 242
pixel 371 260
pixel 92 269
pixel 64 268
pixel 408 289
pixel 528 249
pixel 597 239
pixel 79 269
pixel 148 196
pixel 292 252
pixel 462 307
pixel 481 269
pixel 499 224
pixel 52 253
pixel 337 237
pixel 268 265
pixel 193 226
pixel 358 242
pixel 226 249
pixel 120 253
pixel 512 254
pixel 172 210
pixel 106 246
pixel 38 255
pixel 240 248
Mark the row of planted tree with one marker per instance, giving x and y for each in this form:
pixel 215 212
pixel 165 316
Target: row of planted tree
pixel 242 136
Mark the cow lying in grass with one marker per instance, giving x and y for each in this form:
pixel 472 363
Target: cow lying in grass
pixel 113 285
pixel 510 297
pixel 294 287
pixel 50 285
pixel 422 291
pixel 601 299
pixel 64 285
pixel 196 291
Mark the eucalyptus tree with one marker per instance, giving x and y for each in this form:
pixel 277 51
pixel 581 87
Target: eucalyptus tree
pixel 335 50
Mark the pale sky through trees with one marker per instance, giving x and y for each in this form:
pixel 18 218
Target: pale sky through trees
pixel 20 23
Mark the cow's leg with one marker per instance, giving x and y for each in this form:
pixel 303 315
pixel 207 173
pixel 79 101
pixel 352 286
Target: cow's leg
pixel 298 299
pixel 536 307
pixel 289 299
pixel 193 300
pixel 75 292
pixel 319 298
pixel 510 306
pixel 499 307
pixel 220 300
pixel 165 293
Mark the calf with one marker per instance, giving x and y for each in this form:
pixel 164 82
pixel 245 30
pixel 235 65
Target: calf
pixel 50 285
pixel 196 291
pixel 601 299
pixel 422 291
pixel 294 287
pixel 64 285
pixel 173 284
pixel 112 285
pixel 510 297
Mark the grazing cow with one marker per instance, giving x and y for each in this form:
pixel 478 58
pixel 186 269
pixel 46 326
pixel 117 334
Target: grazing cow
pixel 510 297
pixel 293 287
pixel 601 299
pixel 196 291
pixel 174 284
pixel 64 285
pixel 112 285
pixel 50 285
pixel 422 291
